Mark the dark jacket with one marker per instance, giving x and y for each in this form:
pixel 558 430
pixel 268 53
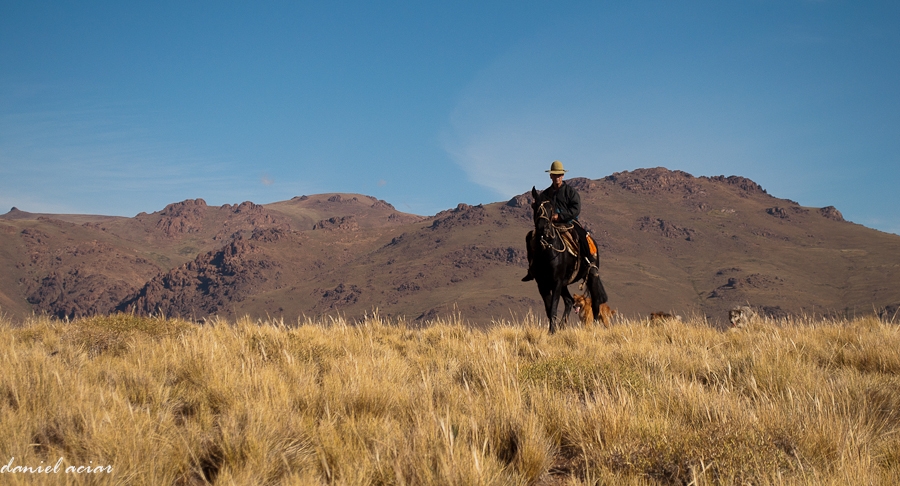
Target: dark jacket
pixel 565 200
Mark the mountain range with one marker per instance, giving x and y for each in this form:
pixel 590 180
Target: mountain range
pixel 668 241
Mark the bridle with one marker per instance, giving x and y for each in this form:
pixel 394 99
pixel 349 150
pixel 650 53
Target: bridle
pixel 554 233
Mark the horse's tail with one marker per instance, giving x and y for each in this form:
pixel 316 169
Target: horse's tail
pixel 598 293
pixel 595 285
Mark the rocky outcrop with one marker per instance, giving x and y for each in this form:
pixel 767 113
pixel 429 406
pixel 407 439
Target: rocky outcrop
pixel 379 204
pixel 77 279
pixel 831 212
pixel 78 293
pixel 786 213
pixel 664 228
pixel 340 296
pixel 520 201
pixel 519 207
pixel 209 283
pixel 583 185
pixel 746 185
pixel 194 217
pixel 343 223
pixel 745 283
pixel 476 258
pixel 182 217
pixel 248 216
pixel 657 181
pixel 462 215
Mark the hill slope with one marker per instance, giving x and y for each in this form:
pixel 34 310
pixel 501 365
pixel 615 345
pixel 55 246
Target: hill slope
pixel 668 241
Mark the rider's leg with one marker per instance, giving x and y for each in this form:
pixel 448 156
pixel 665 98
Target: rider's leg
pixel 584 247
pixel 528 247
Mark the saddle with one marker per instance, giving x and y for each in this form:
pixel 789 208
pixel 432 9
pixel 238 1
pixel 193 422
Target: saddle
pixel 573 247
pixel 568 239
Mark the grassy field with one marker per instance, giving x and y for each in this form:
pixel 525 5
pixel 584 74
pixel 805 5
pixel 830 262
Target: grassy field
pixel 133 400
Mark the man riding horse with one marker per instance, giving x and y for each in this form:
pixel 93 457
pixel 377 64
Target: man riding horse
pixel 567 205
pixel 559 252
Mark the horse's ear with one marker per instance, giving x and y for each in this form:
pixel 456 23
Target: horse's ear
pixel 534 193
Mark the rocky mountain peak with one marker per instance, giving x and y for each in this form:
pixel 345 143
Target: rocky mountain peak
pixel 16 213
pixel 182 217
pixel 655 181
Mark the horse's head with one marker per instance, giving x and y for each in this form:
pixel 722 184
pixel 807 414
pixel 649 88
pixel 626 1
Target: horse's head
pixel 542 212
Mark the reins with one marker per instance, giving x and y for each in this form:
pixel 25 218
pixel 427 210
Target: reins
pixel 555 232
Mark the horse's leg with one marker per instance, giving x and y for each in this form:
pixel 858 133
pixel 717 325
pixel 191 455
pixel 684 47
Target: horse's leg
pixel 547 294
pixel 568 302
pixel 551 302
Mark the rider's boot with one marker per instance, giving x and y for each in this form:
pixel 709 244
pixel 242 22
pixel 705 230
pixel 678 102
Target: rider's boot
pixel 528 276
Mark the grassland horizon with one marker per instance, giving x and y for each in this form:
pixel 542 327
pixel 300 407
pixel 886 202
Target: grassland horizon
pixel 143 400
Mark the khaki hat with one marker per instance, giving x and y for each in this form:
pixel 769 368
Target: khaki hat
pixel 556 168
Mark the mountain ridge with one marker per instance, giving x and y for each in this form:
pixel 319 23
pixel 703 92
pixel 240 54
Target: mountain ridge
pixel 668 241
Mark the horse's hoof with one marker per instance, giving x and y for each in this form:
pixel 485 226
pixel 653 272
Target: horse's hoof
pixel 527 278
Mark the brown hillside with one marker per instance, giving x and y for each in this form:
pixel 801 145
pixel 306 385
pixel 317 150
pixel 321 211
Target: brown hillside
pixel 71 265
pixel 669 242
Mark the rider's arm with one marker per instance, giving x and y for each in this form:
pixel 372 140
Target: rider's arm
pixel 569 206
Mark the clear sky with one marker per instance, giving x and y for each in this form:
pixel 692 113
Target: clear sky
pixel 112 107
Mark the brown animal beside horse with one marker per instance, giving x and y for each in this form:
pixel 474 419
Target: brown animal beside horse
pixel 585 310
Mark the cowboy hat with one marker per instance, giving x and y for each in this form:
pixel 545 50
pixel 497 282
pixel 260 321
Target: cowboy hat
pixel 556 168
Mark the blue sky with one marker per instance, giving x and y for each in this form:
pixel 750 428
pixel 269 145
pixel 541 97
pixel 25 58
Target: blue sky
pixel 123 107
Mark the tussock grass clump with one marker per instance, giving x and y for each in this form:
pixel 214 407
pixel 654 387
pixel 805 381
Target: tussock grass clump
pixel 165 401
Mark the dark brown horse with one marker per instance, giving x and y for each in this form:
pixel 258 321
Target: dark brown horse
pixel 554 268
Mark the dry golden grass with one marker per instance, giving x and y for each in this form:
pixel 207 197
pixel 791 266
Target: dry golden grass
pixel 168 402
